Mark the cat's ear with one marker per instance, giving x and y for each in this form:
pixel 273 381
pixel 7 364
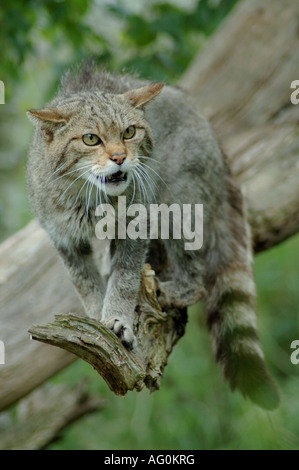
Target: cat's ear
pixel 47 115
pixel 141 96
pixel 48 119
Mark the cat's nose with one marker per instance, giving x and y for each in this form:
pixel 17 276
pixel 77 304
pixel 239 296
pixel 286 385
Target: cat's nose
pixel 118 158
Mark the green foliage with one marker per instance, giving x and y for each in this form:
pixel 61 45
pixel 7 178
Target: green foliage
pixel 23 24
pixel 159 41
pixel 168 35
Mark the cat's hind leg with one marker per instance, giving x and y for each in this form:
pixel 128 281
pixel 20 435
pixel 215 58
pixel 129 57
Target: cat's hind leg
pixel 184 283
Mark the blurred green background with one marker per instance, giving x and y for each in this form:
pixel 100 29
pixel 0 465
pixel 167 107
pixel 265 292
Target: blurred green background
pixel 194 409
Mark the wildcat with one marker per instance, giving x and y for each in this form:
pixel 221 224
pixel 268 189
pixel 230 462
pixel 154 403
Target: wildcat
pixel 103 136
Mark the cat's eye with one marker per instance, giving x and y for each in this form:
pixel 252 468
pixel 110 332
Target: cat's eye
pixel 91 139
pixel 130 132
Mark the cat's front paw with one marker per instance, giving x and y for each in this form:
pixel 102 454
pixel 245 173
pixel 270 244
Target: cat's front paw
pixel 123 330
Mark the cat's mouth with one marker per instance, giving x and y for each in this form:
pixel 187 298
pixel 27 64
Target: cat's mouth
pixel 115 178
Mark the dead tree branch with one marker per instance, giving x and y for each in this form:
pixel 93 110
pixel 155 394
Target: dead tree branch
pixel 96 344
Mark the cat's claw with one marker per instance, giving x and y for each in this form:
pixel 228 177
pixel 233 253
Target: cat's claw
pixel 123 331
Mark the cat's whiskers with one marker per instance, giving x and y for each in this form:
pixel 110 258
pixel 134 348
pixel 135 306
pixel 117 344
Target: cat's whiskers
pixel 101 193
pixel 59 168
pixel 96 188
pixel 147 185
pixel 136 175
pixel 150 168
pixel 152 182
pixel 98 196
pixel 107 200
pixel 144 157
pixel 71 184
pixel 99 183
pixel 78 195
pixel 134 189
pixel 144 176
pixel 142 187
pixel 73 171
pixel 106 195
pixel 88 192
pixel 94 182
pixel 139 185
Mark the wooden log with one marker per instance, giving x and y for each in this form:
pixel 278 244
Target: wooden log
pixel 264 159
pixel 241 81
pixel 33 285
pixel 41 416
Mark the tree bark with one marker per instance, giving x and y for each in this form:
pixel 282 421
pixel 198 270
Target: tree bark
pixel 121 369
pixel 33 286
pixel 43 414
pixel 241 82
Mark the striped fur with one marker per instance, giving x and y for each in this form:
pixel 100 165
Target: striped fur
pixel 231 315
pixel 180 151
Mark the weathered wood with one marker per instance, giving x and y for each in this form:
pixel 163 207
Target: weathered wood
pixel 96 344
pixel 40 417
pixel 264 159
pixel 33 285
pixel 241 81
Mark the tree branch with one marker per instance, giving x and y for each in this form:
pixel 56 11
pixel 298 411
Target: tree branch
pixel 241 82
pixel 93 342
pixel 40 417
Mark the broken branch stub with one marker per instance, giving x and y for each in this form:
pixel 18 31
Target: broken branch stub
pixel 156 333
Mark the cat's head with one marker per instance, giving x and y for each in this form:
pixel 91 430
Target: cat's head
pixel 96 137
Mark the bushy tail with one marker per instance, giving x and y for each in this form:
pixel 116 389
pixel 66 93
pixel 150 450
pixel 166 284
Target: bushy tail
pixel 232 322
pixel 231 313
